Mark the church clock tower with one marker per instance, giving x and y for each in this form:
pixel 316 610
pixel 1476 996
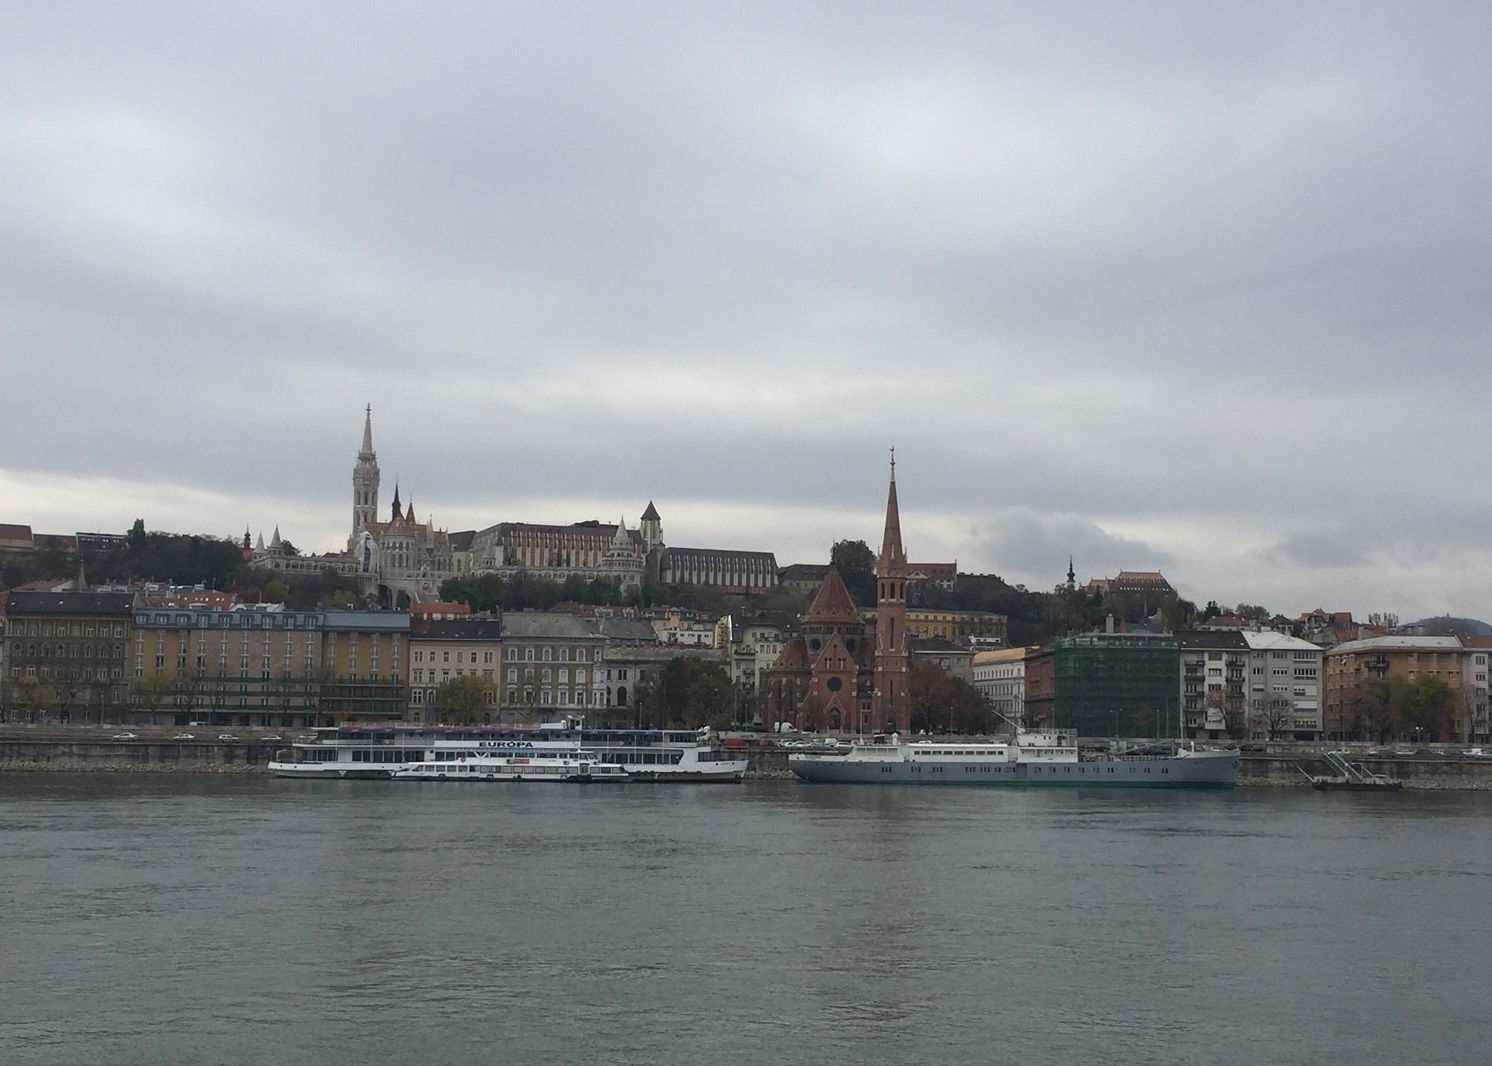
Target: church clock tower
pixel 892 707
pixel 364 484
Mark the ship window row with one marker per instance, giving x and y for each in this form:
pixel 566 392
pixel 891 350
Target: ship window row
pixel 384 755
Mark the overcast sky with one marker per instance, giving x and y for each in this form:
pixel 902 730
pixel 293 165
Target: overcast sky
pixel 1191 286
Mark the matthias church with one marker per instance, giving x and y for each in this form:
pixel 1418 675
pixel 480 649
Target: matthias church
pixel 399 557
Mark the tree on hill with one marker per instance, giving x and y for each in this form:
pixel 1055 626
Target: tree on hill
pixel 856 564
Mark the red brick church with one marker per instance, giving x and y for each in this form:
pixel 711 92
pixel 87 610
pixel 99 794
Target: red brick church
pixel 842 673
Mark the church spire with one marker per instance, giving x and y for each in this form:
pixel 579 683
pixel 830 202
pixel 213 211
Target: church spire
pixel 364 483
pixel 397 512
pixel 891 549
pixel 891 706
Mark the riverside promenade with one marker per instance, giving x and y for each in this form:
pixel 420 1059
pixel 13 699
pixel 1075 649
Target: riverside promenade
pixel 93 749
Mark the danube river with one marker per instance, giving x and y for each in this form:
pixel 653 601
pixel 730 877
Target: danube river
pixel 156 919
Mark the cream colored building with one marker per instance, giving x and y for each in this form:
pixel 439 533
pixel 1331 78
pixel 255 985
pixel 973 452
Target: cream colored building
pixel 1000 677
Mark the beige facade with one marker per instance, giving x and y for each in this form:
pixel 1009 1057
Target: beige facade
pixel 66 655
pixel 441 651
pixel 1350 713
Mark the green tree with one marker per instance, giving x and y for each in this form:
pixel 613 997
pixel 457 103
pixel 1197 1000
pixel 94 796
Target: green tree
pixel 1427 708
pixel 463 700
pixel 856 564
pixel 480 592
pixel 942 703
pixel 1379 704
pixel 691 692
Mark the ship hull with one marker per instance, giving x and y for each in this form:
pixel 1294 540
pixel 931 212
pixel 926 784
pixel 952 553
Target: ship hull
pixel 1197 771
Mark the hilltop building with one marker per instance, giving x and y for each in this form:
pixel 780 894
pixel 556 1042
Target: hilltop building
pixel 402 558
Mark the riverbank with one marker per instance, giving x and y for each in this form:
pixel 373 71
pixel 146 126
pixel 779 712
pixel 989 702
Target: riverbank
pixel 93 750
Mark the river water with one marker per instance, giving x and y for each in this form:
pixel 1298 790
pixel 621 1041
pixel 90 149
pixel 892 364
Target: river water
pixel 155 919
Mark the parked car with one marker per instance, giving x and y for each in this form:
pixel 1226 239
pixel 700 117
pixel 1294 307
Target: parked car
pixel 271 736
pixel 228 738
pixel 184 736
pixel 125 736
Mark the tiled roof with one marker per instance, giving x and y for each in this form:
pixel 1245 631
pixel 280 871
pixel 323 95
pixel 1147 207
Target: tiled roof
pixel 1211 640
pixel 546 625
pixel 1397 643
pixel 28 602
pixel 832 603
pixel 462 629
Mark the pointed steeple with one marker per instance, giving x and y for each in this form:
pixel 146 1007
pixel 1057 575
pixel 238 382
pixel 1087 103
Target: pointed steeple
pixel 274 542
pixel 367 433
pixel 891 707
pixel 621 540
pixel 364 483
pixel 397 513
pixel 409 512
pixel 1072 577
pixel 892 552
pixel 259 544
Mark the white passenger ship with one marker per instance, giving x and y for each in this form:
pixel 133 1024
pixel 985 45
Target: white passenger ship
pixel 1032 759
pixel 576 765
pixel 377 750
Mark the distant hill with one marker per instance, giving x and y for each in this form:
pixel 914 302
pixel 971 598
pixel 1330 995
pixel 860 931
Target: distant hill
pixel 1446 626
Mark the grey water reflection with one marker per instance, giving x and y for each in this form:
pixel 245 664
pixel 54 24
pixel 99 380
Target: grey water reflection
pixel 153 919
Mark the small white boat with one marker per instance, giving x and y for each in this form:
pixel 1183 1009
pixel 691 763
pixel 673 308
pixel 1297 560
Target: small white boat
pixel 580 766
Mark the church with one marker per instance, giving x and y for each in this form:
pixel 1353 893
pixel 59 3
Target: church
pixel 400 556
pixel 841 673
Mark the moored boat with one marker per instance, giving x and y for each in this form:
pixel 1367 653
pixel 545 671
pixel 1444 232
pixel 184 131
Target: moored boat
pixel 1031 758
pixel 377 750
pixel 578 766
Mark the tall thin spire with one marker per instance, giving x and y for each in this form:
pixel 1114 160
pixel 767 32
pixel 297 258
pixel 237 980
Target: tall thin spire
pixel 891 708
pixel 892 553
pixel 364 484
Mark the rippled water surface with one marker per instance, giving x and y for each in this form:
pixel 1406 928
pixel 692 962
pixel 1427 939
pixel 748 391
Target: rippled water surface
pixel 150 919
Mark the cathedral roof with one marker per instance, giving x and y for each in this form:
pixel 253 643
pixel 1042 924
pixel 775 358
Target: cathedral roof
pixel 651 514
pixel 833 603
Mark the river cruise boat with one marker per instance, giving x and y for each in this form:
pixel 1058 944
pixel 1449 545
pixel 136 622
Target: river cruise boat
pixel 1032 758
pixel 576 765
pixel 377 750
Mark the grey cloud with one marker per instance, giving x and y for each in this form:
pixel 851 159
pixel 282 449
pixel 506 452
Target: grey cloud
pixel 1192 268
